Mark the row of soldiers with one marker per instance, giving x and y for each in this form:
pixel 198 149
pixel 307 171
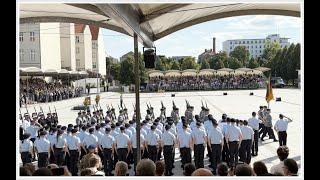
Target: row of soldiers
pixel 74 145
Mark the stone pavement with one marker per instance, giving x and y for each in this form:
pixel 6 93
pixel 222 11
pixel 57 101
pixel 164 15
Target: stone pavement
pixel 236 104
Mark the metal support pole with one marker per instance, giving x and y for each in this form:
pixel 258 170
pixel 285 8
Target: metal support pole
pixel 137 88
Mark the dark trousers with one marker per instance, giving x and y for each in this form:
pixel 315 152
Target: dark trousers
pixel 209 152
pixel 74 160
pixel 107 161
pixel 234 152
pixel 67 161
pixel 198 155
pixel 122 154
pixel 59 156
pixel 282 138
pixel 226 153
pixel 115 160
pixel 245 151
pixel 167 153
pixel 268 130
pixel 185 155
pixel 26 157
pixel 43 159
pixel 261 128
pixel 254 147
pixel 52 160
pixel 152 153
pixel 215 155
pixel 159 153
pixel 173 155
pixel 83 152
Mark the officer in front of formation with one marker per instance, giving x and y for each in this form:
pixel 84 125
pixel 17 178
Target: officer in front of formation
pixel 107 146
pixel 253 122
pixel 122 145
pixel 152 143
pixel 233 137
pixel 268 127
pixel 42 147
pixel 199 139
pixel 168 141
pixel 281 127
pixel 215 142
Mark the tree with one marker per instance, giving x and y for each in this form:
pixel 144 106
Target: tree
pixel 188 63
pixel 127 75
pixel 205 64
pixel 253 63
pixel 271 50
pixel 159 65
pixel 115 71
pixel 234 63
pixel 241 54
pixel 175 65
pixel 218 60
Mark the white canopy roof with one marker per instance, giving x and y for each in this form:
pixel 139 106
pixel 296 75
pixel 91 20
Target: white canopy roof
pixel 206 72
pixel 150 21
pixel 172 73
pixel 155 73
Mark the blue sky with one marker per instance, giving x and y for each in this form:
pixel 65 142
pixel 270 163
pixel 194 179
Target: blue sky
pixel 193 40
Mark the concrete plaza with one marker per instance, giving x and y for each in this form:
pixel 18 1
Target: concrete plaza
pixel 238 104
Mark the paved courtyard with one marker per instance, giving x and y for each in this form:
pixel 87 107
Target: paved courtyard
pixel 236 104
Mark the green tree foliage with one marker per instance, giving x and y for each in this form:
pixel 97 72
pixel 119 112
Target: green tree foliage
pixel 219 60
pixel 188 63
pixel 205 64
pixel 270 50
pixel 240 53
pixel 234 63
pixel 127 75
pixel 175 65
pixel 253 63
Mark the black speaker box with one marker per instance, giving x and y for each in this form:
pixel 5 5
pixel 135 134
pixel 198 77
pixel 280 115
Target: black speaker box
pixel 225 93
pixel 251 94
pixel 173 95
pixel 278 99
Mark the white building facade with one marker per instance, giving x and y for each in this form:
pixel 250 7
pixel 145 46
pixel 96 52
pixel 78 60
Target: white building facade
pixel 40 45
pixel 67 44
pixel 254 46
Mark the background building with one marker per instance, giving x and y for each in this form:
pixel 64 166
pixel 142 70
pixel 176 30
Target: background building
pixel 40 45
pixel 67 44
pixel 83 47
pixel 255 46
pixel 208 53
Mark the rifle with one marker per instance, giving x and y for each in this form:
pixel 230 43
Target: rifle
pixel 27 110
pixel 134 108
pixel 34 109
pixel 108 107
pixel 147 106
pixel 55 110
pixel 173 105
pixel 119 107
pixel 150 105
pixel 41 110
pixel 187 103
pixel 49 109
pixel 202 103
pixel 206 105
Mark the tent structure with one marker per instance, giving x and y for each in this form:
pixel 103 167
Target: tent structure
pixel 149 21
pixel 155 73
pixel 189 72
pixel 172 73
pixel 206 72
pixel 263 69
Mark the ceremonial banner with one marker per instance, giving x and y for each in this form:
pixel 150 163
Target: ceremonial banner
pixel 269 94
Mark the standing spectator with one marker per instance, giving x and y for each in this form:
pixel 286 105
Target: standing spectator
pixel 202 172
pixel 146 167
pixel 244 170
pixel 283 153
pixel 222 169
pixel 290 167
pixel 260 169
pixel 189 168
pixel 160 167
pixel 95 164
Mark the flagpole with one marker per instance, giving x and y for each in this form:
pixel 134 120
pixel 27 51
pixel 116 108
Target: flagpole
pixel 268 105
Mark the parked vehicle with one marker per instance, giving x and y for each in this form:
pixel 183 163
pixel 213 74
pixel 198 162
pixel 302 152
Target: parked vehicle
pixel 277 82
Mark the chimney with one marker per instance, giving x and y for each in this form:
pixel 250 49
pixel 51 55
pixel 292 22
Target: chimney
pixel 214 45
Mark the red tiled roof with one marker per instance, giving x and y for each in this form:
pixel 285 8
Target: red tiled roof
pixel 94 32
pixel 79 28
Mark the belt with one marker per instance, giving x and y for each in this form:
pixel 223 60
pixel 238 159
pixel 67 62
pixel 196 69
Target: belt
pixel 43 152
pixel 110 148
pixel 282 131
pixel 246 139
pixel 169 145
pixel 73 149
pixel 122 148
pixel 152 145
pixel 199 144
pixel 59 148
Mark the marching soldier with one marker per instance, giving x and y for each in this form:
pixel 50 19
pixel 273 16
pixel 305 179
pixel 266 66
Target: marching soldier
pixel 281 127
pixel 133 147
pixel 26 149
pixel 114 134
pixel 152 143
pixel 108 116
pixel 122 145
pixel 185 145
pixel 246 143
pixel 125 114
pixel 199 139
pixel 60 148
pixel 84 117
pixel 74 150
pixel 113 115
pixel 79 119
pixel 94 118
pixel 202 113
pixel 121 117
pixel 215 142
pixel 90 139
pixel 176 116
pixel 42 147
pixel 107 145
pixel 233 137
pixel 168 141
pixel 268 127
pixel 226 150
pixel 254 124
pixel 162 115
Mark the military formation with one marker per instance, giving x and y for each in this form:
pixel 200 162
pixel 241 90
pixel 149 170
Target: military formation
pixel 112 138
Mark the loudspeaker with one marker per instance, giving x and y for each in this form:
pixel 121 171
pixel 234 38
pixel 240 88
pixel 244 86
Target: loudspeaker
pixel 225 93
pixel 251 94
pixel 278 99
pixel 149 57
pixel 173 95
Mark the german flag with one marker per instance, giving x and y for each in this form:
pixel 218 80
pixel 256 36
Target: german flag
pixel 269 95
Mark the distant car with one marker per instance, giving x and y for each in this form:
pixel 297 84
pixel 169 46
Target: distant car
pixel 277 82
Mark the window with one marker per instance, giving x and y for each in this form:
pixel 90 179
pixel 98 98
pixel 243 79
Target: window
pixel 230 47
pixel 77 50
pixel 260 46
pixel 21 54
pixel 260 51
pixel 94 55
pixel 256 46
pixel 259 41
pixel 21 36
pixel 77 62
pixel 255 42
pixel 251 46
pixel 230 42
pixel 94 65
pixel 243 42
pixel 77 39
pixel 32 55
pixel 94 45
pixel 247 42
pixel 251 42
pixel 32 38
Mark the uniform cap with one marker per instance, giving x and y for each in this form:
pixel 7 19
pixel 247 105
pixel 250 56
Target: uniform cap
pixel 167 127
pixel 198 124
pixel 122 128
pixel 153 127
pixel 92 146
pixel 108 129
pixel 74 130
pixel 42 133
